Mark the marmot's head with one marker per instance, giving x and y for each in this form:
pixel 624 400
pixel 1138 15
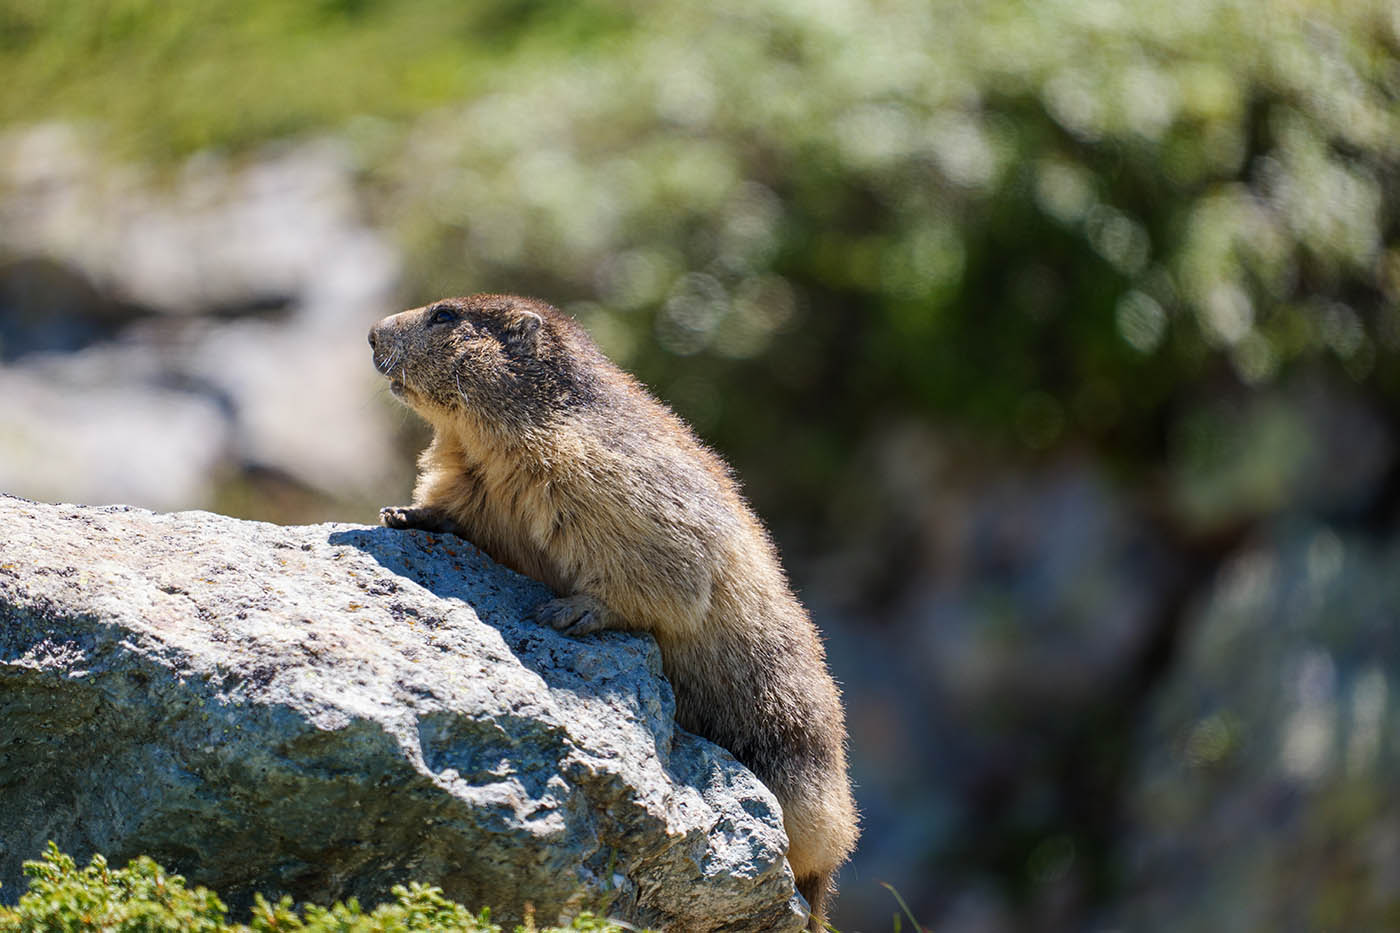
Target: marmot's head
pixel 507 362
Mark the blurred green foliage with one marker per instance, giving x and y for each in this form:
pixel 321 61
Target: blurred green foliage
pixel 144 898
pixel 1061 222
pixel 169 79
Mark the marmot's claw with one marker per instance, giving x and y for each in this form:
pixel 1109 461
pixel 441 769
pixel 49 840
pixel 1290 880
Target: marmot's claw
pixel 572 615
pixel 395 516
pixel 586 625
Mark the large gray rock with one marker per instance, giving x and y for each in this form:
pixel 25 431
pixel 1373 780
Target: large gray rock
pixel 328 710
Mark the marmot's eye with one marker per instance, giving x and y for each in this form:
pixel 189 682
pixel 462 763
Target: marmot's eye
pixel 443 316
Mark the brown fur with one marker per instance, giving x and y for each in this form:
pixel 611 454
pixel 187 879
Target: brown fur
pixel 561 466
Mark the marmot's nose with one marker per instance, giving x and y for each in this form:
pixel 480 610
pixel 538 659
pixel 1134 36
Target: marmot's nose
pixel 371 337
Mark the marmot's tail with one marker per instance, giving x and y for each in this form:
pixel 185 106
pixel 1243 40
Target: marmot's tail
pixel 816 889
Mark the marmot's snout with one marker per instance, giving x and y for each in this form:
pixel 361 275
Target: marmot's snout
pixel 380 340
pixel 382 343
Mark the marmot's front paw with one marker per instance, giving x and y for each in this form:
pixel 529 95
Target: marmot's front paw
pixel 574 615
pixel 399 516
pixel 423 517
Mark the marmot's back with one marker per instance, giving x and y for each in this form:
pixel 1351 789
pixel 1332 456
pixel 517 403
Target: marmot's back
pixel 560 465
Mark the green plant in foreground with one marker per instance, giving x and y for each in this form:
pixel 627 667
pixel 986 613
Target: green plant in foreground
pixel 897 921
pixel 144 898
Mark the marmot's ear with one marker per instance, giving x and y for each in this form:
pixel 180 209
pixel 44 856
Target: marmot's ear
pixel 523 329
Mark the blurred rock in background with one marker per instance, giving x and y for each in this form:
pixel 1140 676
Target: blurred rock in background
pixel 1059 344
pixel 190 341
pixel 1263 787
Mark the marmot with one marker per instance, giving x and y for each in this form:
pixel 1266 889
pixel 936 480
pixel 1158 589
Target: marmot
pixel 561 466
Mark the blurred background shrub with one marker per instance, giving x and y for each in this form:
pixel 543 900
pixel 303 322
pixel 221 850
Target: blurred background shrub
pixel 1058 341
